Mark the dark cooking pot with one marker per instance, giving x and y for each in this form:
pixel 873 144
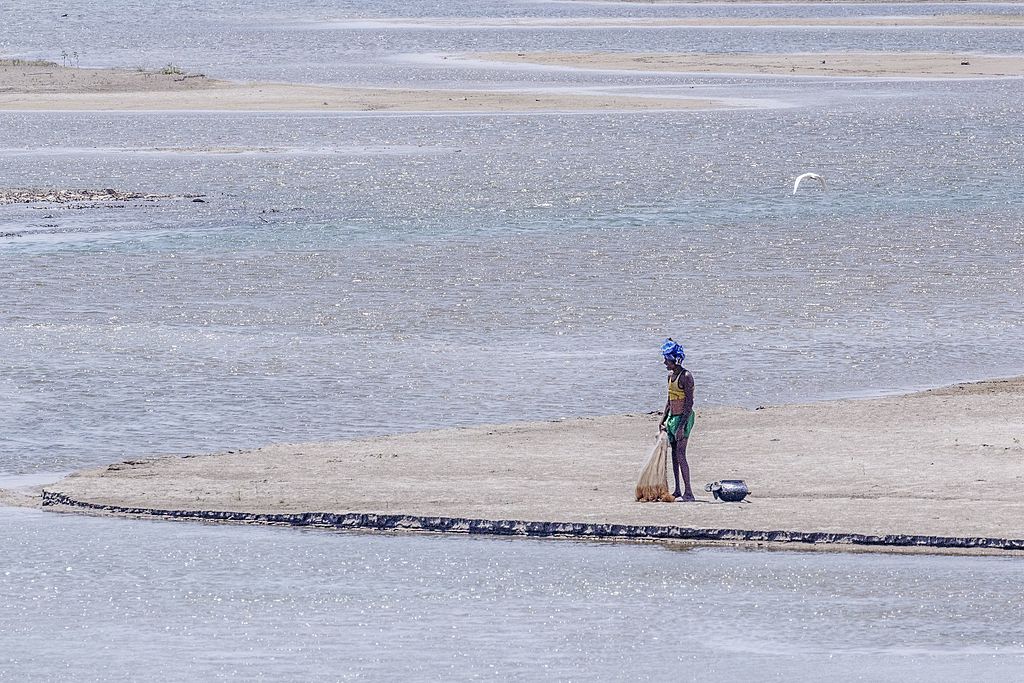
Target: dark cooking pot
pixel 728 490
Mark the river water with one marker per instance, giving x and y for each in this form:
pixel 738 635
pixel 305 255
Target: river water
pixel 94 599
pixel 358 274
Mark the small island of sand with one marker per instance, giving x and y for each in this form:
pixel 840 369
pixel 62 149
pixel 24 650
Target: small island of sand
pixel 47 86
pixel 952 20
pixel 913 470
pixel 834 64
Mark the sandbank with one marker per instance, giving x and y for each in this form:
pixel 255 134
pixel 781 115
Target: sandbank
pixel 918 21
pixel 906 470
pixel 52 87
pixel 840 64
pixel 9 498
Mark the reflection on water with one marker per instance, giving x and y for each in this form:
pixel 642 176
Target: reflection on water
pixel 496 251
pixel 322 42
pixel 195 601
pixel 356 274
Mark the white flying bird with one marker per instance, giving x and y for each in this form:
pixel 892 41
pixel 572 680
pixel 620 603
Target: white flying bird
pixel 808 176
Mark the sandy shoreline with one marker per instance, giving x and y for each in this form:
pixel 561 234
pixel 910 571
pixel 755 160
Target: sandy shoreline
pixel 918 21
pixel 946 462
pixel 837 64
pixel 51 87
pixel 41 86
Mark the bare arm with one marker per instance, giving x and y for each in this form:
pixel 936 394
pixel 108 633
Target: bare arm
pixel 688 388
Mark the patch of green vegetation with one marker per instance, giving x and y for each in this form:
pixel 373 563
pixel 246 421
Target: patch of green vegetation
pixel 172 70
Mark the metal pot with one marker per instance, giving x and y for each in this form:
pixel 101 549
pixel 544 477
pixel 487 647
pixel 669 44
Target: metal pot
pixel 728 490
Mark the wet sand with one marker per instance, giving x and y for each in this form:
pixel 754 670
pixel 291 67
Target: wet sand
pixel 10 498
pixel 947 462
pixel 51 87
pixel 838 64
pixel 935 20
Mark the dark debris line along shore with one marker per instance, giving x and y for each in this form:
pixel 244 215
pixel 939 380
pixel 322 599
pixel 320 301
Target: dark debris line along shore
pixel 377 522
pixel 31 195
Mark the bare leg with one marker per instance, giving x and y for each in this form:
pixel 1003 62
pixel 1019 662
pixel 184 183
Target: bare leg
pixel 675 468
pixel 679 457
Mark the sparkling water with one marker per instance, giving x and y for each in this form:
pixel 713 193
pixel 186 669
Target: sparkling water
pixel 367 273
pixel 93 599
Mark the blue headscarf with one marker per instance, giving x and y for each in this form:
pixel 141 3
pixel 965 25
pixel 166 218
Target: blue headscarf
pixel 673 351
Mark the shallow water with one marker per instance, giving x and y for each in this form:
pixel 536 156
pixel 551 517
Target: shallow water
pixel 353 274
pixel 364 274
pixel 206 602
pixel 358 42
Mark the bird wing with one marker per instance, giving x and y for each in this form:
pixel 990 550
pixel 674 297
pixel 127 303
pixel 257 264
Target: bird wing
pixel 800 178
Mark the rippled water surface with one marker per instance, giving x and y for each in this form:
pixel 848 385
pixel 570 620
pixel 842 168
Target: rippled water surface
pixel 353 274
pixel 96 597
pixel 459 269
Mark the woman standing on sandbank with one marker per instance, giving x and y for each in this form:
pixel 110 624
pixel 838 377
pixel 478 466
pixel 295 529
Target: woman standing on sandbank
pixel 677 421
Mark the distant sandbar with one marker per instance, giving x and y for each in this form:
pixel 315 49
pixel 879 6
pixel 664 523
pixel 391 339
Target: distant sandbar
pixel 46 86
pixel 909 21
pixel 845 64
